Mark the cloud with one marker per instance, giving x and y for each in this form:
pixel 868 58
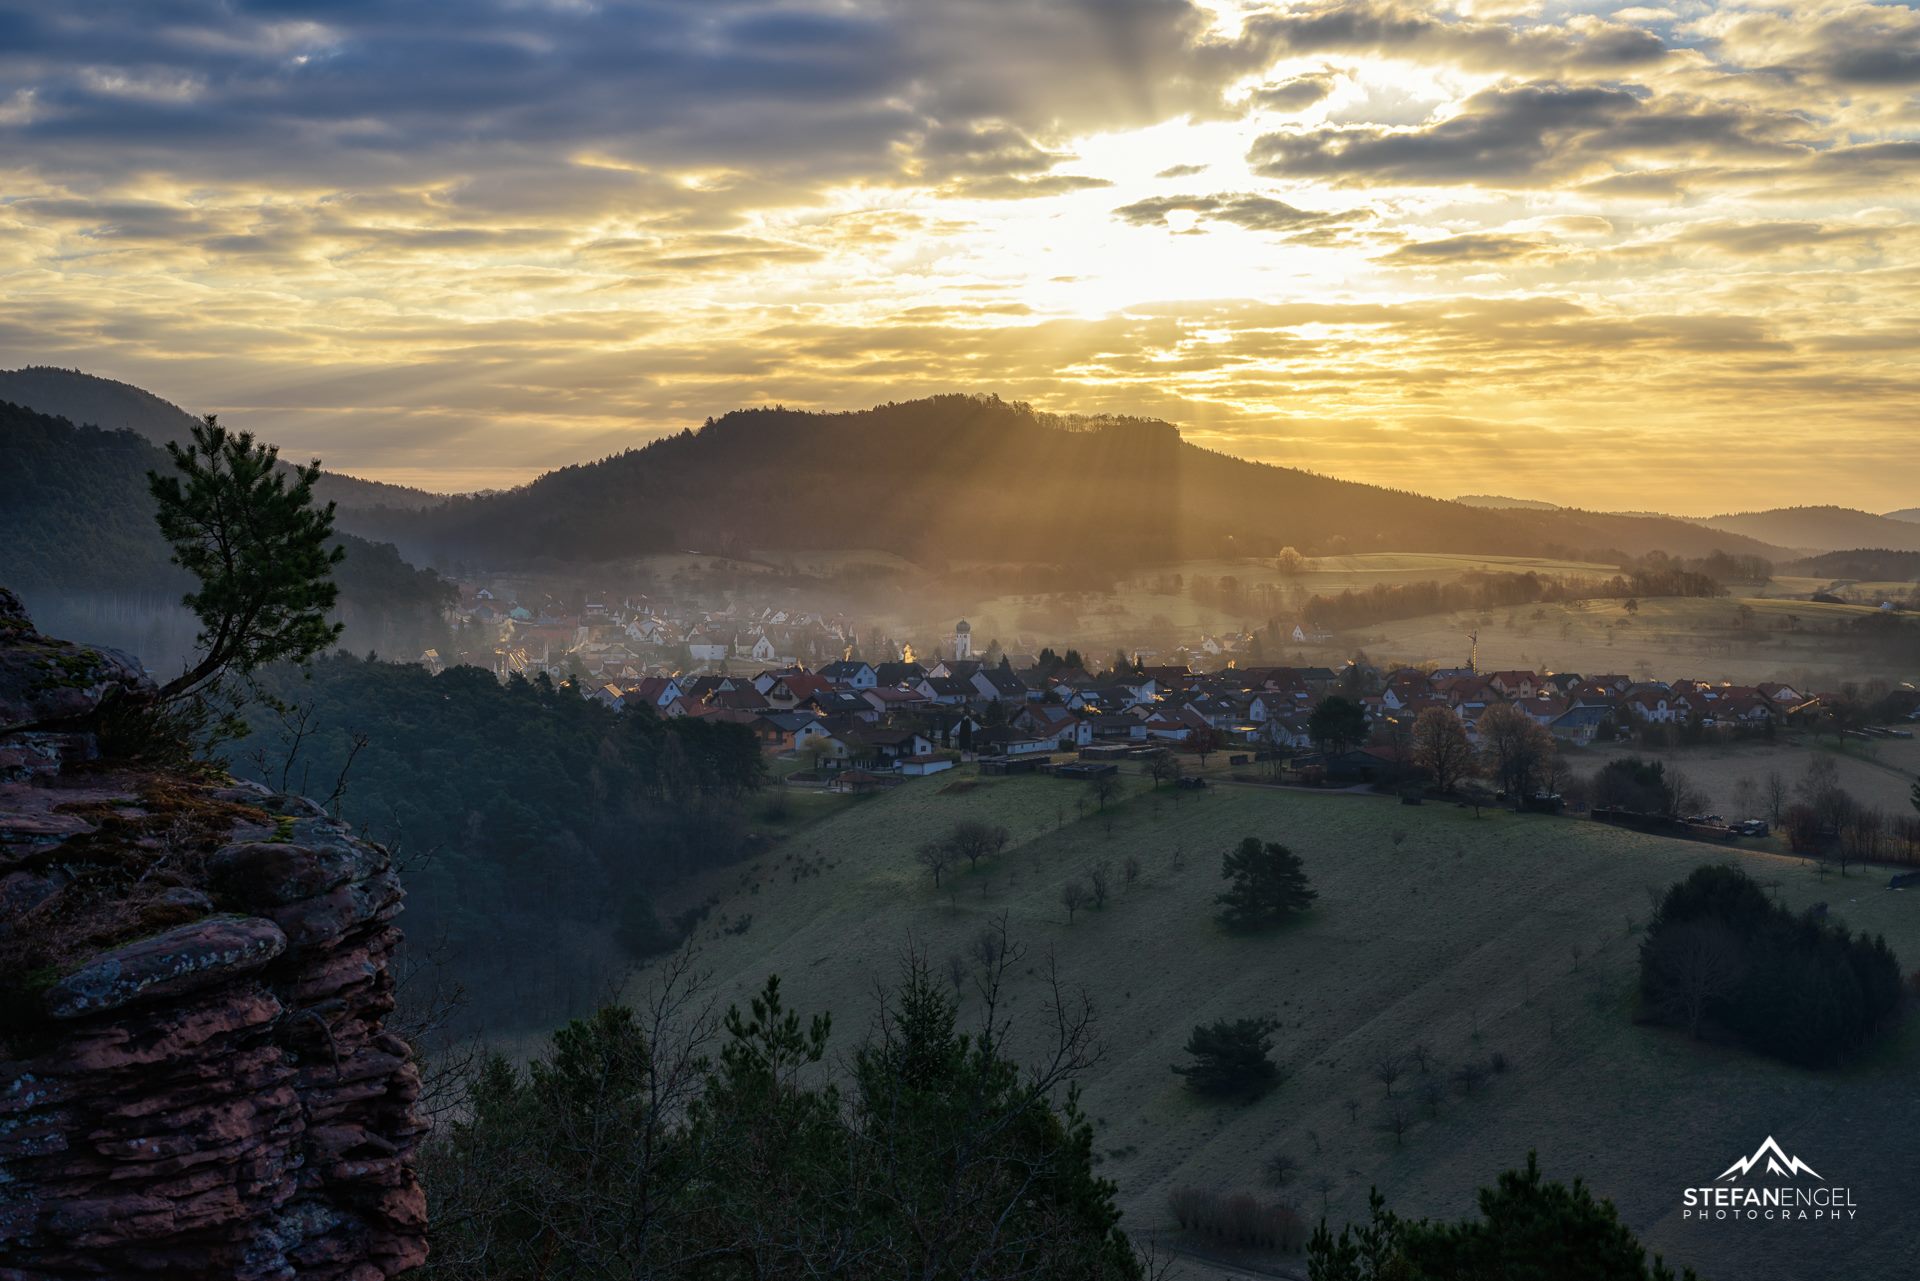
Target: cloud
pixel 1296 94
pixel 1421 33
pixel 1472 247
pixel 1538 134
pixel 1242 209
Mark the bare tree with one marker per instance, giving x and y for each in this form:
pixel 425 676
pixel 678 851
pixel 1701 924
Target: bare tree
pixel 1387 1069
pixel 973 840
pixel 1394 1119
pixel 936 857
pixel 1774 792
pixel 989 942
pixel 1130 871
pixel 1105 788
pixel 1074 896
pixel 1441 748
pixel 1163 767
pixel 1100 881
pixel 1470 1076
pixel 1692 965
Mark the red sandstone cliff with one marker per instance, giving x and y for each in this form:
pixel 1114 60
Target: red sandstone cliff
pixel 195 1077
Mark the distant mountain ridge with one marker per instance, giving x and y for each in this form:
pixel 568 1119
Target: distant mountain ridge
pixel 975 477
pixel 1500 502
pixel 77 528
pixel 92 401
pixel 1822 529
pixel 1905 513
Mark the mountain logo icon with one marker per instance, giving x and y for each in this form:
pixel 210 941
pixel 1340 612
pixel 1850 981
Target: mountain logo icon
pixel 1775 1161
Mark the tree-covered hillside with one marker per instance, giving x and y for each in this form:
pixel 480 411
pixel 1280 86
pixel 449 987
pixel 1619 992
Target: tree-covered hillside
pixel 533 825
pixel 76 518
pixel 963 476
pixel 102 402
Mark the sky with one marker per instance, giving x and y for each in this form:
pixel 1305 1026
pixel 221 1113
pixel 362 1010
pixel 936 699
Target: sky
pixel 1620 256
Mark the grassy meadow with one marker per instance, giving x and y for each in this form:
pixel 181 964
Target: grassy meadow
pixel 1504 934
pixel 1707 638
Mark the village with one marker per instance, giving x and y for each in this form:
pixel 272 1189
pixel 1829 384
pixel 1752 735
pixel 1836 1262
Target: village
pixel 850 714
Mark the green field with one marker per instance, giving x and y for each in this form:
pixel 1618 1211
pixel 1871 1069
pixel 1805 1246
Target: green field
pixel 1505 933
pixel 1667 638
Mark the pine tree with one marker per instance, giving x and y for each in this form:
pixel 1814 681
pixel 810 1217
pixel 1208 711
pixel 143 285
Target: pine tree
pixel 260 548
pixel 1268 885
pixel 1231 1058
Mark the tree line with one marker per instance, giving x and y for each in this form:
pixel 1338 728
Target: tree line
pixel 532 822
pixel 1386 602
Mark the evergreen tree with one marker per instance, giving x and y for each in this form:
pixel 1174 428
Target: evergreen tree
pixel 1268 885
pixel 259 547
pixel 1231 1058
pixel 1528 1230
pixel 1337 724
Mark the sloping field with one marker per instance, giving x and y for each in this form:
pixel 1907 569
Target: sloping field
pixel 1665 638
pixel 1470 936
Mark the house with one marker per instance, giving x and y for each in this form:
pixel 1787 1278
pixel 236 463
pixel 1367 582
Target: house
pixel 850 673
pixel 1053 723
pixel 930 763
pixel 658 692
pixel 764 681
pixel 894 675
pixel 996 686
pixel 762 650
pixel 841 703
pixel 709 647
pixel 790 690
pixel 944 690
pixel 959 669
pixel 1007 740
pixel 775 731
pixel 1118 726
pixel 1515 685
pixel 1403 687
pixel 1650 703
pixel 1175 726
pixel 887 745
pixel 1579 723
pixel 1542 709
pixel 1749 710
pixel 886 700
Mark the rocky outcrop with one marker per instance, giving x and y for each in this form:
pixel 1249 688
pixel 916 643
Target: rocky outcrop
pixel 196 1078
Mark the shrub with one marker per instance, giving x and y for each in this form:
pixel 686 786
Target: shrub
pixel 1238 1219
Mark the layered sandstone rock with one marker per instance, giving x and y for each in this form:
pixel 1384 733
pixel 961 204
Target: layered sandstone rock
pixel 195 1074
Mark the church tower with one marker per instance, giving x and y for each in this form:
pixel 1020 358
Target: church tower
pixel 962 639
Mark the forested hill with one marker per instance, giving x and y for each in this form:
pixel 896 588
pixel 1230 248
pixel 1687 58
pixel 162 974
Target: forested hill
pixel 1823 529
pixel 117 406
pixel 76 518
pixel 975 477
